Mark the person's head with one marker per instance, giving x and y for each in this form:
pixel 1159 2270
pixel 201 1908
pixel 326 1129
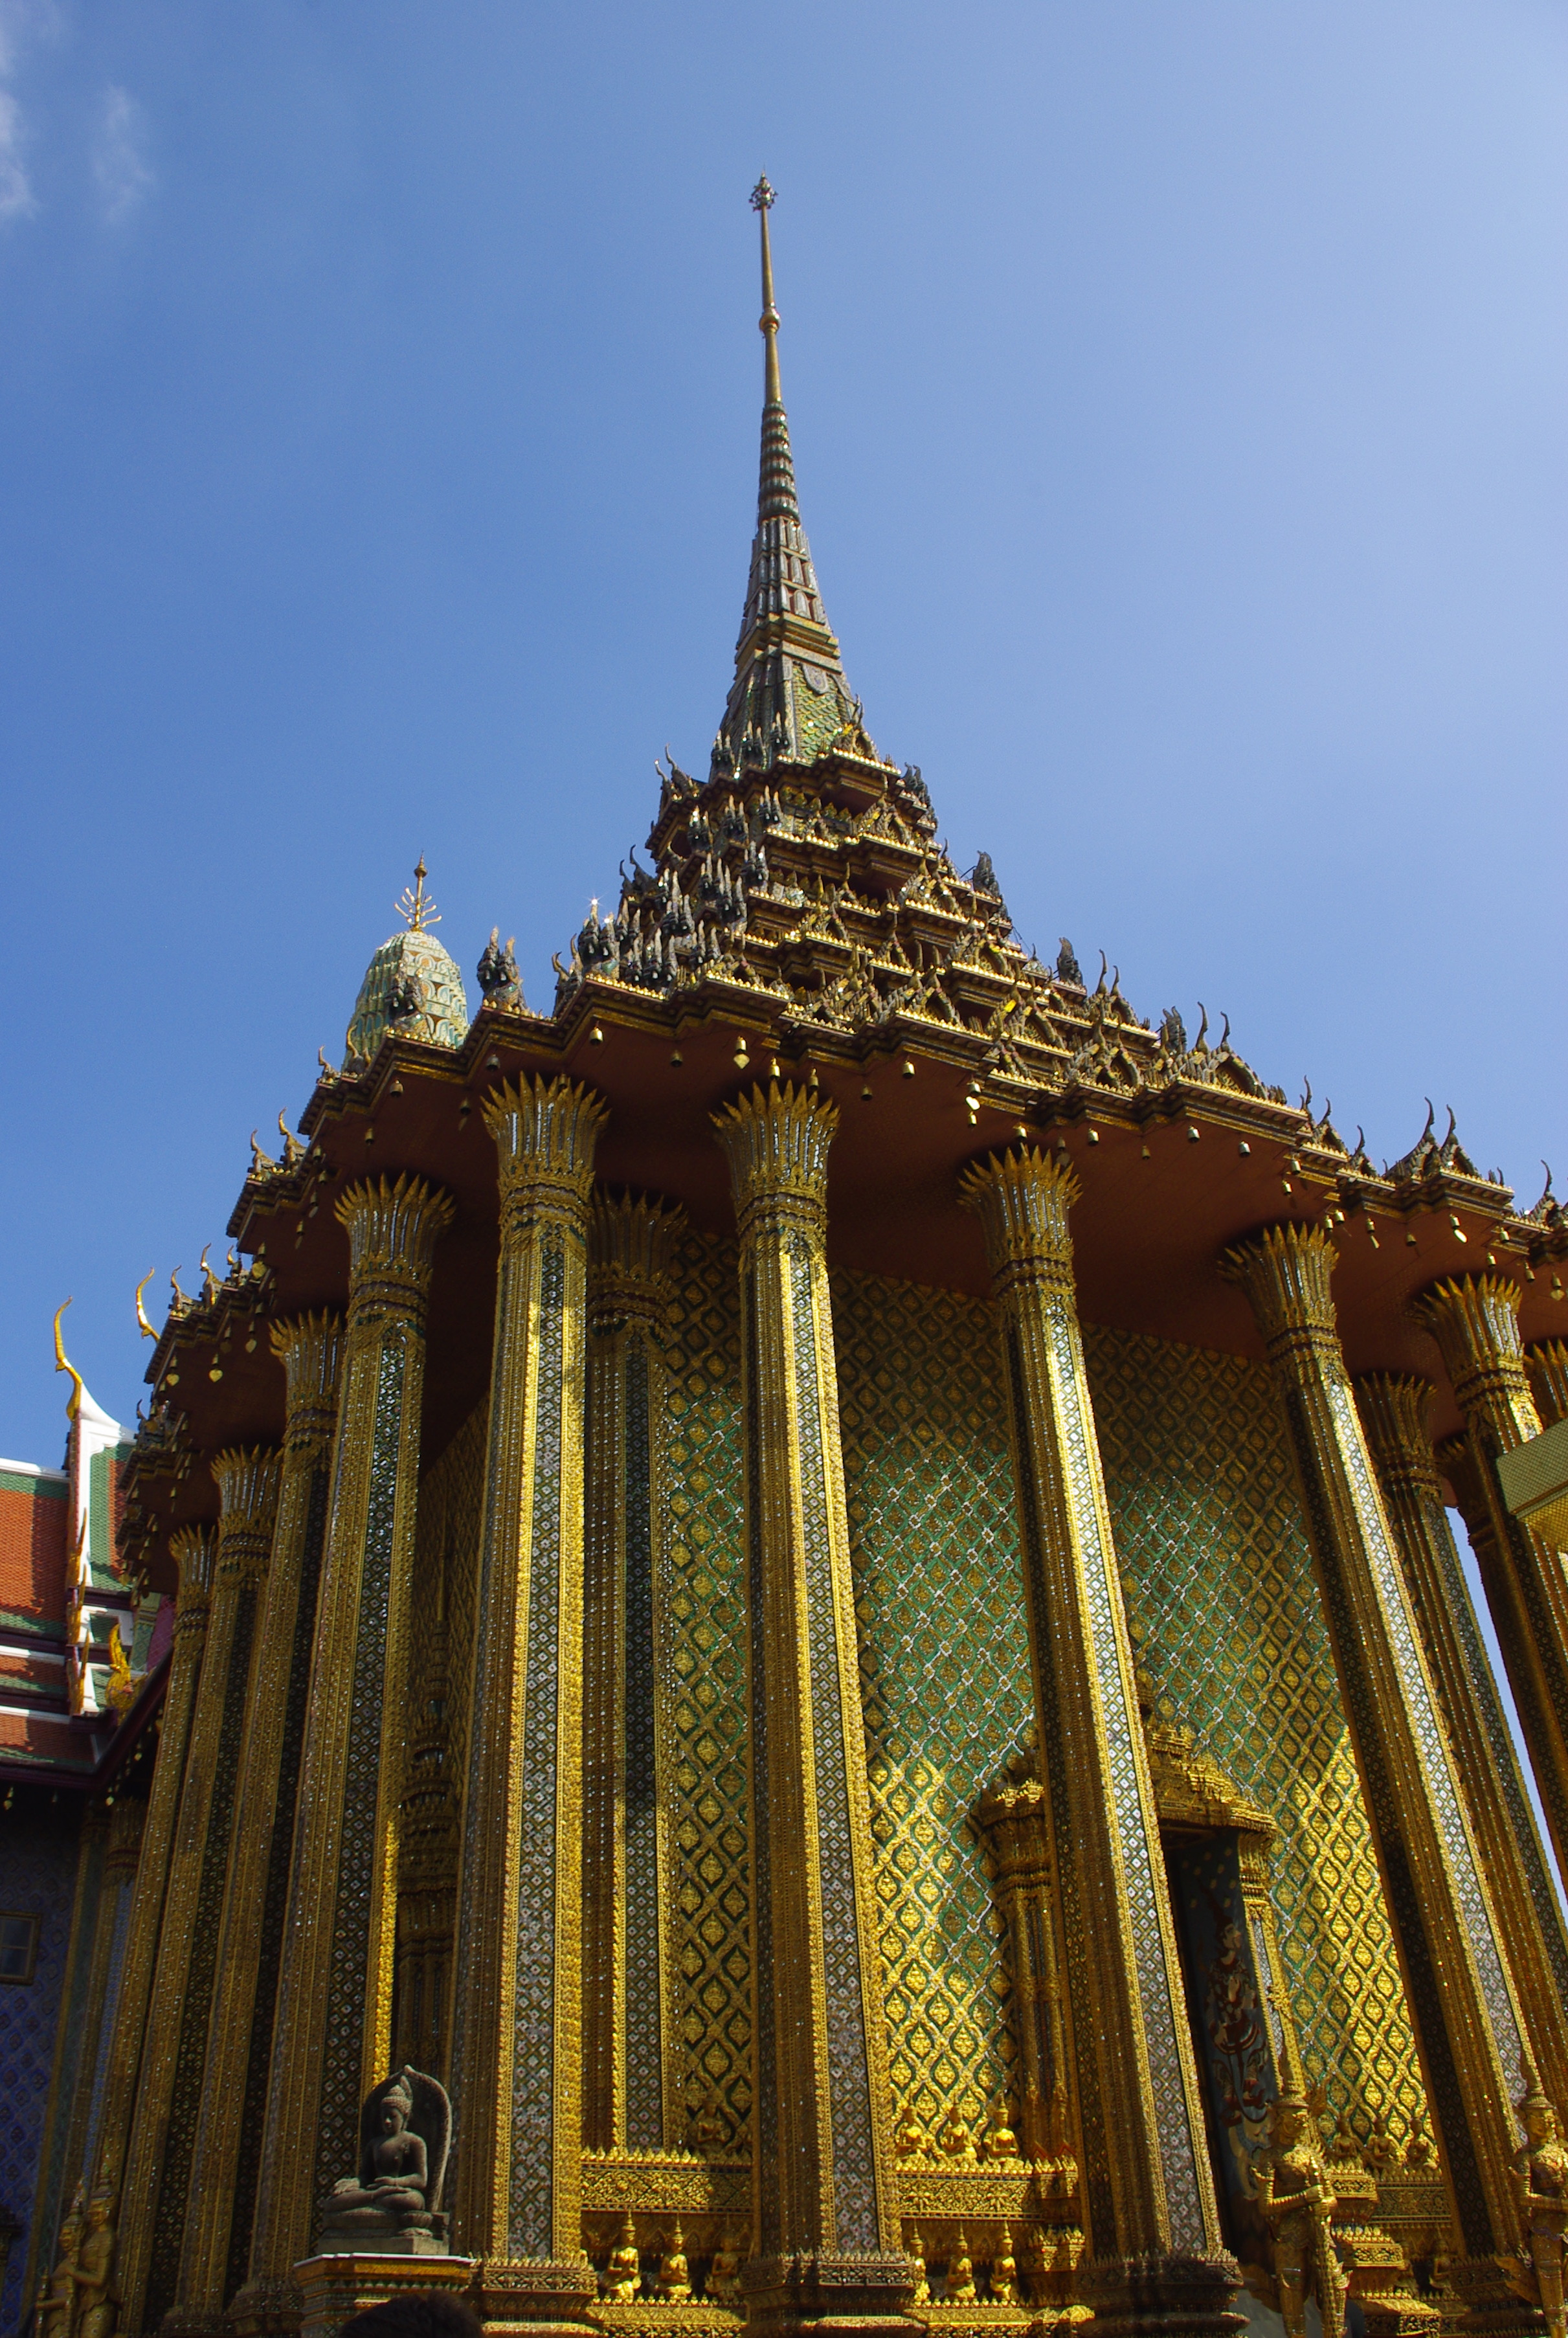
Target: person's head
pixel 423 2313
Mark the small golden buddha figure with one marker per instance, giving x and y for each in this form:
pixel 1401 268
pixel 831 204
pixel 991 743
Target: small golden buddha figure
pixel 675 2274
pixel 1000 2142
pixel 1381 2153
pixel 724 2273
pixel 1419 2145
pixel 1541 2171
pixel 954 2136
pixel 57 2298
pixel 1004 2278
pixel 908 2135
pixel 623 2271
pixel 1345 2147
pixel 960 2272
pixel 708 2132
pixel 916 2251
pixel 1296 2202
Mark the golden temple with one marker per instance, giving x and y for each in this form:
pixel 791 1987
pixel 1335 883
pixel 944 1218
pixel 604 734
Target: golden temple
pixel 808 1661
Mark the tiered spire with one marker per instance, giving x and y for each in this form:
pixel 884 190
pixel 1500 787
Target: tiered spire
pixel 790 698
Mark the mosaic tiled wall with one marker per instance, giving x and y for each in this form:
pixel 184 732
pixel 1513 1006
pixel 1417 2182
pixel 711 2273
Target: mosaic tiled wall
pixel 1208 1534
pixel 944 1663
pixel 37 1877
pixel 703 1662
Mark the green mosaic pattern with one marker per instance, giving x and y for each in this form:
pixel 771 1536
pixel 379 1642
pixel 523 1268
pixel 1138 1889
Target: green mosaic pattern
pixel 944 1666
pixel 702 1666
pixel 1217 1571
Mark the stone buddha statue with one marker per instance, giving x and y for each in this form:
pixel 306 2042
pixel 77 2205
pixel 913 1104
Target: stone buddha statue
pixel 394 2201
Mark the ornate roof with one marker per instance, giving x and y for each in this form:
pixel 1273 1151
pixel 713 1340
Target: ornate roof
pixel 411 985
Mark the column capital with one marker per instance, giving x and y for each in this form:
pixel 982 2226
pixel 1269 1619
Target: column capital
pixel 777 1140
pixel 394 1224
pixel 545 1131
pixel 192 1548
pixel 1474 1320
pixel 629 1237
pixel 1286 1272
pixel 1022 1198
pixel 1393 1408
pixel 1546 1361
pixel 247 1483
pixel 311 1349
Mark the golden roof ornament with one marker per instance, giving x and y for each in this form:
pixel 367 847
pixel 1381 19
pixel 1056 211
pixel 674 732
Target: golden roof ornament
pixel 414 905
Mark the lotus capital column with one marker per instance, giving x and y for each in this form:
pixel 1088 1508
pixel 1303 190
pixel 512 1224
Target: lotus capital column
pixel 1456 1980
pixel 1474 1320
pixel 827 2231
pixel 1148 2192
pixel 518 2042
pixel 333 2036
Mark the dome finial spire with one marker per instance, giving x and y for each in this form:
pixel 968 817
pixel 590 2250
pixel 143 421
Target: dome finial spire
pixel 762 201
pixel 415 907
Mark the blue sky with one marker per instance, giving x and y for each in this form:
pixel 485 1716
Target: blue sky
pixel 1177 393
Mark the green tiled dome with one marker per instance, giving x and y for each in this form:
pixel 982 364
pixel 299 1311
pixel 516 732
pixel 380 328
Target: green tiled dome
pixel 411 987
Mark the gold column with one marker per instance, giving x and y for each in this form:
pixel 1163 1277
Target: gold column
pixel 169 2093
pixel 1475 1321
pixel 332 2036
pixel 1394 1409
pixel 234 2092
pixel 631 2048
pixel 828 2236
pixel 517 2045
pixel 1455 1981
pixel 1546 1361
pixel 1147 2189
pixel 191 1550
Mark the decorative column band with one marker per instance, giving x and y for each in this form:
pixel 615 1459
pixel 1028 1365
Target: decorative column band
pixel 169 2095
pixel 192 1550
pixel 517 2075
pixel 1394 1409
pixel 1459 1991
pixel 823 2173
pixel 1147 2187
pixel 221 2210
pixel 1546 1361
pixel 632 2046
pixel 1474 1320
pixel 333 2027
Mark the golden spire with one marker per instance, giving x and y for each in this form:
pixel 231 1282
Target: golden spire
pixel 415 907
pixel 790 698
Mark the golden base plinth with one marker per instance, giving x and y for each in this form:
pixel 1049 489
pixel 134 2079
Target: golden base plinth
pixel 333 2289
pixel 659 2317
pixel 1134 2296
pixel 854 2298
pixel 548 2299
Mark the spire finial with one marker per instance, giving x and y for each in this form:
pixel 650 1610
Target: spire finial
pixel 762 201
pixel 415 907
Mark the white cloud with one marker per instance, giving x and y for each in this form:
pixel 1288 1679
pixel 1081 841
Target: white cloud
pixel 17 197
pixel 120 167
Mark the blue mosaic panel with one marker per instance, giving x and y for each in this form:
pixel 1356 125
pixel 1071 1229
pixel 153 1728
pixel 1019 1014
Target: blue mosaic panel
pixel 37 1878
